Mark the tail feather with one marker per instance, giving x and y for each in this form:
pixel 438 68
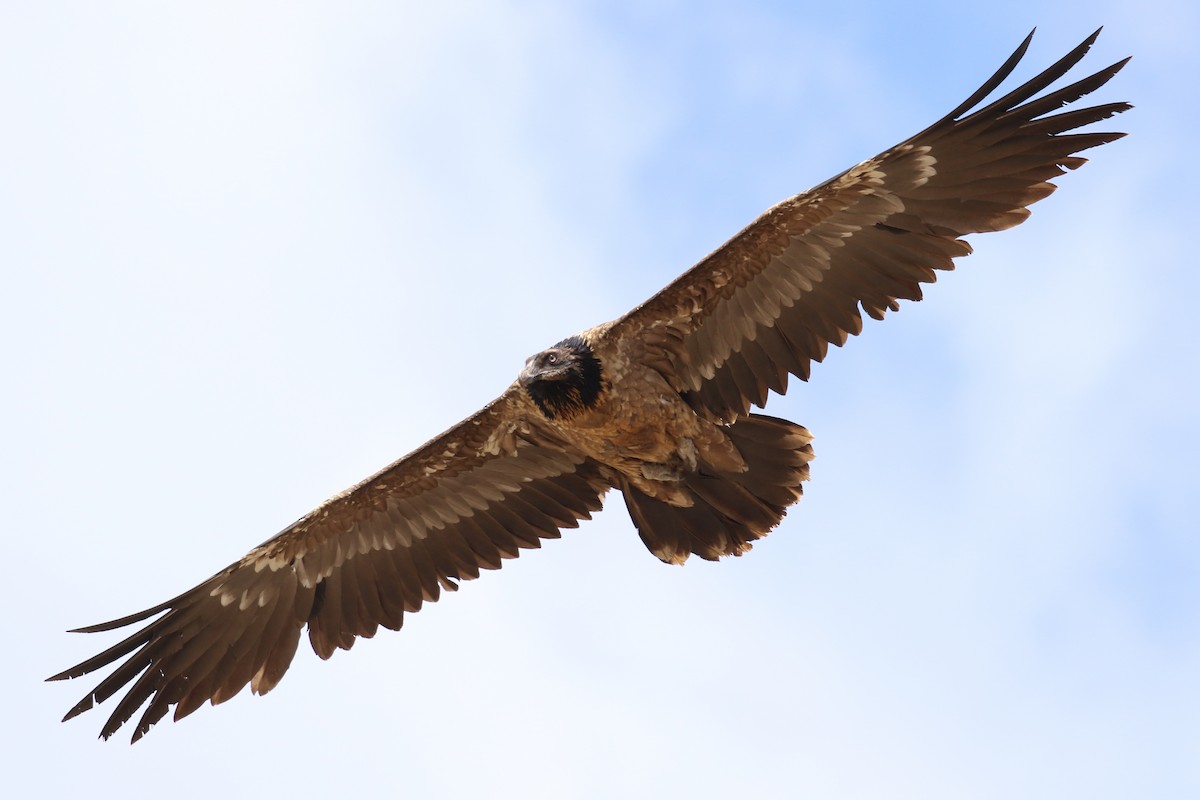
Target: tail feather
pixel 731 509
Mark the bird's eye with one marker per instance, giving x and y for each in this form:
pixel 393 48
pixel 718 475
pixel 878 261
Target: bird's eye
pixel 551 358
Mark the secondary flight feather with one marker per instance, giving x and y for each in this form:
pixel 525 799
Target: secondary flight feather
pixel 655 405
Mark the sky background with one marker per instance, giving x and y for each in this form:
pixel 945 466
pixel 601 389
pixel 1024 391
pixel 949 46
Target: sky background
pixel 252 252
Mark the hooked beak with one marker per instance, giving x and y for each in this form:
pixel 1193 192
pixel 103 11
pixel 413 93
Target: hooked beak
pixel 528 374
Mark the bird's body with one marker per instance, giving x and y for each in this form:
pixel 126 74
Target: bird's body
pixel 693 483
pixel 655 404
pixel 638 425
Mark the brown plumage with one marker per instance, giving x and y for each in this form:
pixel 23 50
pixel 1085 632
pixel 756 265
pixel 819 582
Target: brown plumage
pixel 655 404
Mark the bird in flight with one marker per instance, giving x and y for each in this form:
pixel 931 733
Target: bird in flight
pixel 655 404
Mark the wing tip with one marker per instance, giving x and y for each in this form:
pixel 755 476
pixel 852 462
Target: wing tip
pixel 113 624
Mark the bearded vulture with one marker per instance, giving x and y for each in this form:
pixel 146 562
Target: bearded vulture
pixel 655 404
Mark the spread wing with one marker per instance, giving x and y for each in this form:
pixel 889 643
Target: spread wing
pixel 772 299
pixel 491 485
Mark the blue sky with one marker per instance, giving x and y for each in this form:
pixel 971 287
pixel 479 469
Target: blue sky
pixel 253 252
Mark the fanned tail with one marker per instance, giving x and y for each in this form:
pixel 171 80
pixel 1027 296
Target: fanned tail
pixel 731 509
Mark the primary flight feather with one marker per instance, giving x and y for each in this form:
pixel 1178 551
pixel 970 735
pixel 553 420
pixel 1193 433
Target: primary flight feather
pixel 655 404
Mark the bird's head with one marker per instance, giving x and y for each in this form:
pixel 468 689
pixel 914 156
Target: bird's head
pixel 564 379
